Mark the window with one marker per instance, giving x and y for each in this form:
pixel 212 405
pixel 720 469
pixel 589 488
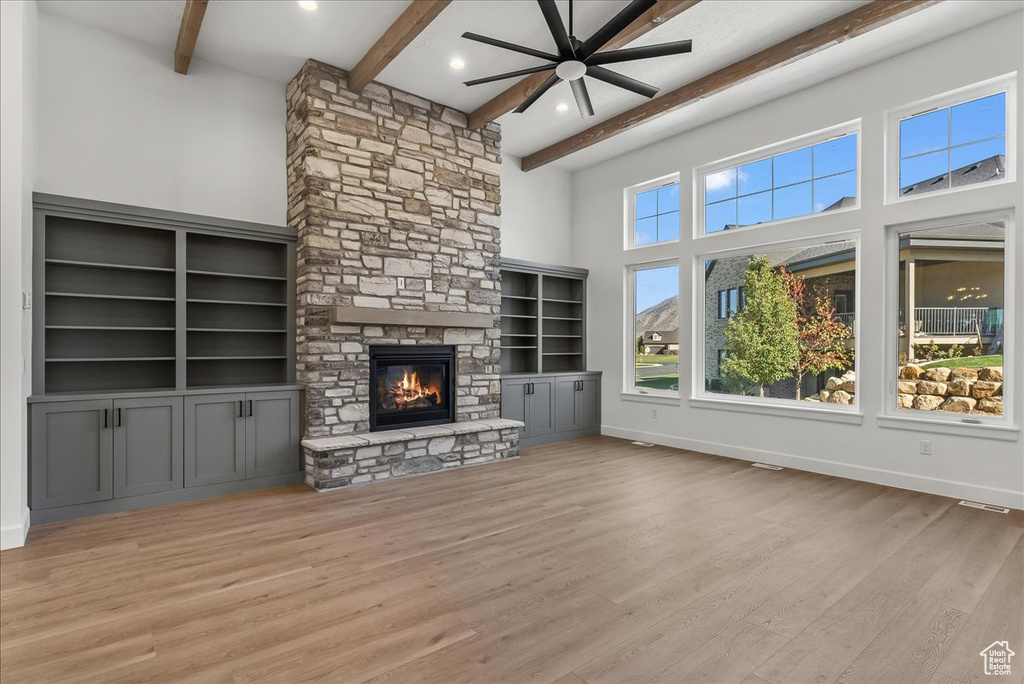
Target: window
pixel 654 344
pixel 952 315
pixel 953 146
pixel 784 337
pixel 953 141
pixel 655 213
pixel 800 182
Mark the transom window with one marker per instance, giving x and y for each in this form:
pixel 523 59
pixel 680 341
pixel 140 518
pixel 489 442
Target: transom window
pixel 953 146
pixel 655 213
pixel 808 180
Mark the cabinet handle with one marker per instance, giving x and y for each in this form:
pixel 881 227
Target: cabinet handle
pixel 118 417
pixel 105 421
pixel 240 410
pixel 250 408
pixel 531 388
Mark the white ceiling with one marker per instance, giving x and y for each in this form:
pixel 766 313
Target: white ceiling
pixel 271 39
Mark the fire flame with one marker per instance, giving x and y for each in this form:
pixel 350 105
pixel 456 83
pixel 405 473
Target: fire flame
pixel 410 389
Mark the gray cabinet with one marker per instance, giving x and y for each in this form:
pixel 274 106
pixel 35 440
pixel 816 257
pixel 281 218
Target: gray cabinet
pixel 271 434
pixel 554 407
pixel 531 400
pixel 148 445
pixel 72 453
pixel 214 439
pixel 577 403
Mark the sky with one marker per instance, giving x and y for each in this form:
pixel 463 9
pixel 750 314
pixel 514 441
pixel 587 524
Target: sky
pixel 655 285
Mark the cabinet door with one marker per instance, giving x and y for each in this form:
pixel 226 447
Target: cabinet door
pixel 72 453
pixel 565 403
pixel 214 439
pixel 148 445
pixel 588 403
pixel 271 433
pixel 540 407
pixel 513 402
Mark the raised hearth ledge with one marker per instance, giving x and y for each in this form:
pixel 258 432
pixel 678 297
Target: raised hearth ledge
pixel 409 434
pixel 413 317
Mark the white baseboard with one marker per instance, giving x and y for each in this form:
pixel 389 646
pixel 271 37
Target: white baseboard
pixel 892 478
pixel 13 536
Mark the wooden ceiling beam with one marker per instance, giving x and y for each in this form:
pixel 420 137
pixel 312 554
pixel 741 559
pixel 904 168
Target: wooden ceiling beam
pixel 858 22
pixel 416 17
pixel 188 34
pixel 505 102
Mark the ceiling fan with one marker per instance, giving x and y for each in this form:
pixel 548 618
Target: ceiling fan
pixel 576 59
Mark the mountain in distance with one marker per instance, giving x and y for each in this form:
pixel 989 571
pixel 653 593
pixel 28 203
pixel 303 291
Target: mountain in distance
pixel 662 316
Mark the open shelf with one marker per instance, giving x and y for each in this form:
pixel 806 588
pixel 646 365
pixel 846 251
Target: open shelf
pixel 104 374
pixel 235 371
pixel 233 303
pixel 108 359
pixel 103 327
pixel 86 295
pixel 108 266
pixel 223 274
pixel 236 330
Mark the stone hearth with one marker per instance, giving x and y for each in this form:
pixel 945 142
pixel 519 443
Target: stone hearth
pixel 396 206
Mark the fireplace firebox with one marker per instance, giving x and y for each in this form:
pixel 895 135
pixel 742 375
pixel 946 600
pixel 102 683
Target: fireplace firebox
pixel 411 385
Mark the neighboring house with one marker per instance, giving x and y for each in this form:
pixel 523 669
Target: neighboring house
pixel 661 341
pixel 956 276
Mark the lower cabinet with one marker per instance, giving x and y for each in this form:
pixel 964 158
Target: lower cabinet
pixel 89 452
pixel 554 407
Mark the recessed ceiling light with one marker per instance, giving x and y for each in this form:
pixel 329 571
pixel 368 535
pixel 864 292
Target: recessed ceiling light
pixel 309 5
pixel 561 107
pixel 456 63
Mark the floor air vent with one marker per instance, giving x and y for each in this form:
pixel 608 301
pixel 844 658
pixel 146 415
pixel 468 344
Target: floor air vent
pixel 766 466
pixel 643 444
pixel 985 507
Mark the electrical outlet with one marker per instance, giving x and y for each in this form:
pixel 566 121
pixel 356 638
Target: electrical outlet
pixel 654 413
pixel 925 447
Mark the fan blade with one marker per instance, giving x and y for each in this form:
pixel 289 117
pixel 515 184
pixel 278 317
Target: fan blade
pixel 629 54
pixel 616 79
pixel 579 91
pixel 620 21
pixel 511 74
pixel 535 95
pixel 510 46
pixel 557 28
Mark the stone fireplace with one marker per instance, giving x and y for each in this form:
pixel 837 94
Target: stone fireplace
pixel 395 202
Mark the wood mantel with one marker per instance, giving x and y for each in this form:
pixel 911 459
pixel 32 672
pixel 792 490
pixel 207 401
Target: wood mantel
pixel 415 317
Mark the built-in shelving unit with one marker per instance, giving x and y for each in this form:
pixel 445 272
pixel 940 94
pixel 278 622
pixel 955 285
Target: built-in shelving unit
pixel 542 319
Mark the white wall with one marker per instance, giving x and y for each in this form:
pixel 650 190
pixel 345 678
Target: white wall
pixel 968 466
pixel 18 34
pixel 116 123
pixel 536 216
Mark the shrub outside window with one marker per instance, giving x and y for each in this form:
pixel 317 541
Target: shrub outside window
pixel 809 180
pixel 787 341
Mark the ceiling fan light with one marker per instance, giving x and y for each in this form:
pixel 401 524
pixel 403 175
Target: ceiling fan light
pixel 456 63
pixel 571 70
pixel 561 107
pixel 309 5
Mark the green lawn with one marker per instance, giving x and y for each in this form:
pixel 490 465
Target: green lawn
pixel 967 362
pixel 661 382
pixel 657 358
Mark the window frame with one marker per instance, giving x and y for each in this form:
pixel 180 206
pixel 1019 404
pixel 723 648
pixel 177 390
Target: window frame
pixel 629 388
pixel 806 140
pixel 893 117
pixel 973 425
pixel 630 210
pixel 700 397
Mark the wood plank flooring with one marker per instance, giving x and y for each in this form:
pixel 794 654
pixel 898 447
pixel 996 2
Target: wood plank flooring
pixel 582 562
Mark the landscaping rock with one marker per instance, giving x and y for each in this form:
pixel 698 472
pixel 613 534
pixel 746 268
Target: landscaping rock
pixel 937 374
pixel 927 402
pixel 823 395
pixel 986 388
pixel 993 373
pixel 907 387
pixel 993 405
pixel 910 372
pixel 958 388
pixel 833 384
pixel 970 374
pixel 937 389
pixel 840 397
pixel 958 405
pixel 905 401
pixel 849 386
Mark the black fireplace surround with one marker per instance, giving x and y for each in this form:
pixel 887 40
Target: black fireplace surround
pixel 411 385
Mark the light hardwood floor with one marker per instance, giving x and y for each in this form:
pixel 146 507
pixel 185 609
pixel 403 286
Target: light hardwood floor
pixel 587 561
